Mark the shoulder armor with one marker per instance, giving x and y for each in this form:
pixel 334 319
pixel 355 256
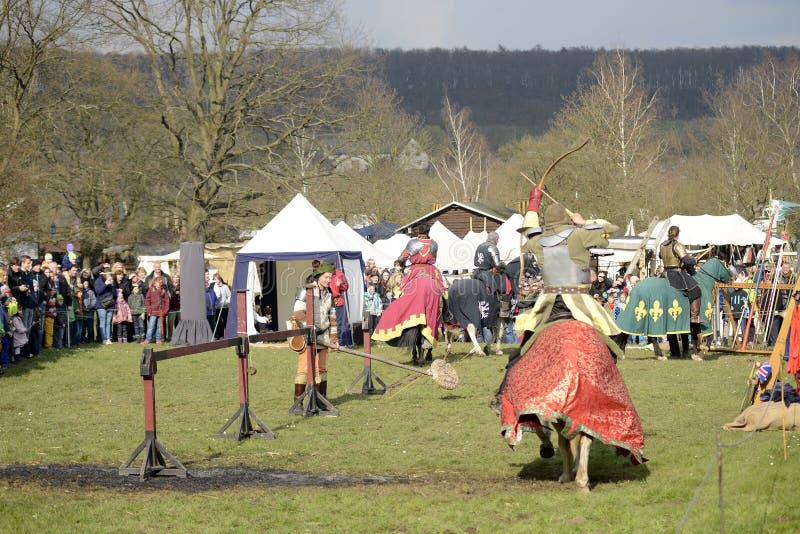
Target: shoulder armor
pixel 434 248
pixel 555 239
pixel 413 246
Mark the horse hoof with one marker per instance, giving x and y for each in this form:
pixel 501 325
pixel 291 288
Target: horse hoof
pixel 583 488
pixel 495 404
pixel 546 450
pixel 661 358
pixel 697 357
pixel 564 478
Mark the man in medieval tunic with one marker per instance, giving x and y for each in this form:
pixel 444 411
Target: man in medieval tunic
pixel 678 270
pixel 420 293
pixel 324 318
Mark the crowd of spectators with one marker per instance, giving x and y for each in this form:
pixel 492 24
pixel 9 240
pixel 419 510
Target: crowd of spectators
pixel 52 305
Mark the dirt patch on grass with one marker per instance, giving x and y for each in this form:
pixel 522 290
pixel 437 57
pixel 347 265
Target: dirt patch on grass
pixel 196 481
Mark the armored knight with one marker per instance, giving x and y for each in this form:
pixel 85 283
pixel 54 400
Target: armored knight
pixel 419 301
pixel 421 253
pixel 562 251
pixel 488 266
pixel 678 270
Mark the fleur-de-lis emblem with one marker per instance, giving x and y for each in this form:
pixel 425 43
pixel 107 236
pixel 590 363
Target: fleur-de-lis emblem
pixel 708 313
pixel 675 310
pixel 656 311
pixel 640 311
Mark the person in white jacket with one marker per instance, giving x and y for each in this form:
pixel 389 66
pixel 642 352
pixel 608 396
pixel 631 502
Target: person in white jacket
pixel 223 293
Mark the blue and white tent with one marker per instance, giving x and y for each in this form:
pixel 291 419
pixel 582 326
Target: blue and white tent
pixel 277 260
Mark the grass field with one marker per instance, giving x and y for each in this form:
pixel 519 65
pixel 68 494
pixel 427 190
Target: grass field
pixel 450 470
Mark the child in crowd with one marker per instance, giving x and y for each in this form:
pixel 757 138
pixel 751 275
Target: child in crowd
pixel 122 317
pixel 136 304
pixel 157 305
pixel 373 306
pixel 19 336
pixel 5 331
pixel 49 320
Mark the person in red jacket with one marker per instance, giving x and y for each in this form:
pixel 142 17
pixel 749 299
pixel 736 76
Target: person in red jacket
pixel 156 304
pixel 339 287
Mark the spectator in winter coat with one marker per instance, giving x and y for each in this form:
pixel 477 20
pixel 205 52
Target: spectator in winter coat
pixel 157 305
pixel 211 302
pixel 136 304
pixel 104 305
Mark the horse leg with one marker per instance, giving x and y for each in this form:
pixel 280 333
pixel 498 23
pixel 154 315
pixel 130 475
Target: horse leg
pixel 498 331
pixel 473 337
pixel 582 464
pixel 621 340
pixel 696 339
pixel 656 348
pixel 567 455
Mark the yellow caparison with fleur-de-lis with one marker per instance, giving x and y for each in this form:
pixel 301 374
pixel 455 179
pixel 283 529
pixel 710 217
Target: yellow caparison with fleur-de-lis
pixel 675 310
pixel 640 310
pixel 656 311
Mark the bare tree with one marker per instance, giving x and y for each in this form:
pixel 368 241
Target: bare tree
pixel 464 166
pixel 32 34
pixel 236 81
pixel 100 156
pixel 376 159
pixel 615 111
pixel 757 128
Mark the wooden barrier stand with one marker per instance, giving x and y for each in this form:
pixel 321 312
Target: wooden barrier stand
pixel 153 462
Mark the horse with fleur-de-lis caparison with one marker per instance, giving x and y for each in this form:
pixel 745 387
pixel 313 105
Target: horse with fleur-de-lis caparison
pixel 655 308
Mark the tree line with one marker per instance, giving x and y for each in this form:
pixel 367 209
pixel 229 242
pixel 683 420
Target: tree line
pixel 132 121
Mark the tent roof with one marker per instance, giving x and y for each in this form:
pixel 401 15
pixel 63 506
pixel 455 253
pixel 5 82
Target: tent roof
pixel 298 230
pixel 393 246
pixel 368 250
pixel 713 230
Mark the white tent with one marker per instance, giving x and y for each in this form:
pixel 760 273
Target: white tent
pixel 368 250
pixel 393 246
pixel 699 230
pixel 509 242
pixel 285 248
pixel 453 253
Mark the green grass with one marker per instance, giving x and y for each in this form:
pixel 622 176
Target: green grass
pixel 455 473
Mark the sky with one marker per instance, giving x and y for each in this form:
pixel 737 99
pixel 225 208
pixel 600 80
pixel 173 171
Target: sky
pixel 552 25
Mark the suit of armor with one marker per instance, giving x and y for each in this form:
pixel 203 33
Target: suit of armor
pixel 488 267
pixel 678 270
pixel 562 252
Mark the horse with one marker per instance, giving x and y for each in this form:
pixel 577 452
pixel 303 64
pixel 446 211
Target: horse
pixel 471 305
pixel 567 379
pixel 412 320
pixel 654 308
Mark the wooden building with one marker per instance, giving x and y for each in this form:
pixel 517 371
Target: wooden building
pixel 463 217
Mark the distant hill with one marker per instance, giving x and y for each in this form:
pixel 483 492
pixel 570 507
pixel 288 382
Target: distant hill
pixel 522 90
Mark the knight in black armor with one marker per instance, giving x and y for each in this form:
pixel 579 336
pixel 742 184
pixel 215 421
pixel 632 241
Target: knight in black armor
pixel 679 267
pixel 488 266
